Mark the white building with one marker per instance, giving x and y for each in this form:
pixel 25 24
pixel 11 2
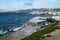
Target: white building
pixel 52 13
pixel 56 18
pixel 35 12
pixel 37 22
pixel 58 13
pixel 38 12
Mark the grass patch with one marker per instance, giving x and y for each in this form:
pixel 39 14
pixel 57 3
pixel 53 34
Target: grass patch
pixel 37 35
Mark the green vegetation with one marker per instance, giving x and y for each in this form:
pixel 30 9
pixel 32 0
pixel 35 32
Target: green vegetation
pixel 50 20
pixel 37 35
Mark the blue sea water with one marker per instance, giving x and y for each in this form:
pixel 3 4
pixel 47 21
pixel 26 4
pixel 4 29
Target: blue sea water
pixel 13 20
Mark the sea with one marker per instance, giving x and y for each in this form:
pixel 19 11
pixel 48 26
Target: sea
pixel 11 20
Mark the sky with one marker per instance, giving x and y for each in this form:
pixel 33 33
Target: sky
pixel 28 4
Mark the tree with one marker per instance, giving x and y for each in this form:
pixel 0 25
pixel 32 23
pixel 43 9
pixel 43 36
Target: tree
pixel 50 20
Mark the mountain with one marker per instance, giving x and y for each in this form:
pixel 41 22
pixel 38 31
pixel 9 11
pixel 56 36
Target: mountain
pixel 30 10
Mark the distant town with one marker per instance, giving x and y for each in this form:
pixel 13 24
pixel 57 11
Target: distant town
pixel 46 11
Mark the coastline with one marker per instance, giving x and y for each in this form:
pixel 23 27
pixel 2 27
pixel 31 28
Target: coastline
pixel 19 34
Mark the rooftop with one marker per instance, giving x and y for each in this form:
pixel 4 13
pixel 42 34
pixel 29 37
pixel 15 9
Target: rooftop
pixel 36 20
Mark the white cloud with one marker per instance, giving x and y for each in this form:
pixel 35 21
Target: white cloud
pixel 33 2
pixel 37 3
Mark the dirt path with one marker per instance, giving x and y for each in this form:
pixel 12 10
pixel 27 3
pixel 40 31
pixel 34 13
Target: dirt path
pixel 55 35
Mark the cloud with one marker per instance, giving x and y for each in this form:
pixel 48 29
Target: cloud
pixel 27 4
pixel 38 3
